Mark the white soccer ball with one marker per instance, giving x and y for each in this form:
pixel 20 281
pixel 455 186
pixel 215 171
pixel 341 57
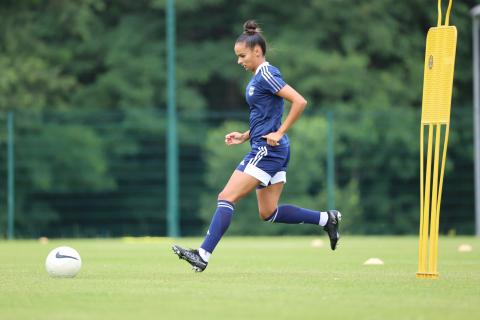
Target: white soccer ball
pixel 63 262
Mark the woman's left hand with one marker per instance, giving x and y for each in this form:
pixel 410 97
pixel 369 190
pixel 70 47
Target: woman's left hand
pixel 273 138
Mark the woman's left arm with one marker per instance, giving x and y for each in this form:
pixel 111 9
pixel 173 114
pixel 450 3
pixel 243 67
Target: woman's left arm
pixel 298 105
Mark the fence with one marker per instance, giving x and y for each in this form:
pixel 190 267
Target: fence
pixel 90 173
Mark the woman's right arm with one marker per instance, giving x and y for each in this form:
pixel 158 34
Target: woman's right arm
pixel 237 137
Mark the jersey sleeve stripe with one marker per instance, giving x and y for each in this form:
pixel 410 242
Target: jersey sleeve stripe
pixel 267 72
pixel 270 80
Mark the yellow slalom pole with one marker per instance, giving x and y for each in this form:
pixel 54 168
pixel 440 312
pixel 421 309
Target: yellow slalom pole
pixel 440 189
pixel 439 19
pixel 447 16
pixel 426 210
pixel 421 252
pixel 434 210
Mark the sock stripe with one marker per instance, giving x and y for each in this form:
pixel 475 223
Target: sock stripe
pixel 272 219
pixel 218 226
pixel 225 206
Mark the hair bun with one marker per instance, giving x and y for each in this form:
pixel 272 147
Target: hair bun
pixel 251 27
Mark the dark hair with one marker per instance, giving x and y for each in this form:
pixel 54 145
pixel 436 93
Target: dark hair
pixel 252 36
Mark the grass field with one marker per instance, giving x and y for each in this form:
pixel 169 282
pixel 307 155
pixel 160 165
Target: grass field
pixel 248 278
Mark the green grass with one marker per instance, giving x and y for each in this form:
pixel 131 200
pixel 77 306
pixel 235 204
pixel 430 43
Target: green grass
pixel 248 278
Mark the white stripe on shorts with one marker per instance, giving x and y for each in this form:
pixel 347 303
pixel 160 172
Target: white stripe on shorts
pixel 262 152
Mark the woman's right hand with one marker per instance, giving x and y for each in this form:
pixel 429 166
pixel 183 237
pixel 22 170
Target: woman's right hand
pixel 235 138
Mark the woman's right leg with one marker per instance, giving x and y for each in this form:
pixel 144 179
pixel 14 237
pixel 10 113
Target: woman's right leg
pixel 238 186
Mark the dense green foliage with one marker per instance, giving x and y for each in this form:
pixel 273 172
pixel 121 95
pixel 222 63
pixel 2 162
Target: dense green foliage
pixel 86 79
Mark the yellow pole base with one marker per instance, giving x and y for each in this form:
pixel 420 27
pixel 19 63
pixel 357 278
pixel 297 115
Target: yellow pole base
pixel 421 275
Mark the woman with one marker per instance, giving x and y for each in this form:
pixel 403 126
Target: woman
pixel 265 167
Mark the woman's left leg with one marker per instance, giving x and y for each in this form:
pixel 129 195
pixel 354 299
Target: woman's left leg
pixel 269 209
pixel 268 198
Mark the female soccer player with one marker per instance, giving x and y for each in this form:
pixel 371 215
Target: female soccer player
pixel 265 167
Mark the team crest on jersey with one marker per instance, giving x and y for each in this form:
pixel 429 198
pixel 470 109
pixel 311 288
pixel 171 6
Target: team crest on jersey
pixel 250 91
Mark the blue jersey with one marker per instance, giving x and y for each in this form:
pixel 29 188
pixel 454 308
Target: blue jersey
pixel 266 108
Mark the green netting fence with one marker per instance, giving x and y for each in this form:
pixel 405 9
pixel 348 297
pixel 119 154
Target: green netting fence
pixel 93 173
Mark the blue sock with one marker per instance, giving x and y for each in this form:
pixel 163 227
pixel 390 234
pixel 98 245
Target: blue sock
pixel 220 222
pixel 294 215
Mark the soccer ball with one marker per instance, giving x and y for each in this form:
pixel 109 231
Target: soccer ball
pixel 63 262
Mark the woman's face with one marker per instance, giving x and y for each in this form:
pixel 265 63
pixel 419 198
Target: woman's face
pixel 249 58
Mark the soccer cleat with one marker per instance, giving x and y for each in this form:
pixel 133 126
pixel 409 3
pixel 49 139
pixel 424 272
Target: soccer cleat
pixel 331 227
pixel 191 256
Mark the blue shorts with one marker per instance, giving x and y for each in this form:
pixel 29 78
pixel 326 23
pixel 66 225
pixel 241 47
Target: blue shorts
pixel 267 164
